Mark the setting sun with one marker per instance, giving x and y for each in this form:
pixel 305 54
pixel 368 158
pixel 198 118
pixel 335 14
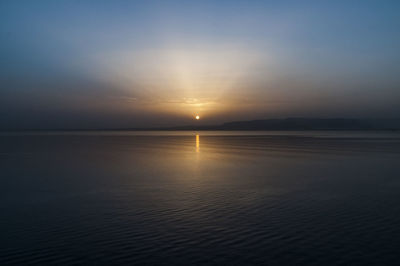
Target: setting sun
pixel 197 117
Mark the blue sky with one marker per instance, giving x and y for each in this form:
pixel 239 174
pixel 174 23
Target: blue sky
pixel 148 63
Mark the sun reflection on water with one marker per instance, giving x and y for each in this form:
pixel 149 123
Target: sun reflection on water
pixel 197 142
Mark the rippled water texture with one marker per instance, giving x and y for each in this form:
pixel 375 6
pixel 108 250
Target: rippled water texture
pixel 200 198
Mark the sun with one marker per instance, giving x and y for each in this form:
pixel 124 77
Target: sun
pixel 197 117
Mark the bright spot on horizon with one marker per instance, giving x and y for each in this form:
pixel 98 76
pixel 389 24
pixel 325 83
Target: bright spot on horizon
pixel 197 117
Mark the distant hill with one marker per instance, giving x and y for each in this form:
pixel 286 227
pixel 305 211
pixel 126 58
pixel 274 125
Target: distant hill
pixel 302 124
pixel 299 124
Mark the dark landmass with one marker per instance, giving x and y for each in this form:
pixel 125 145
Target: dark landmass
pixel 277 124
pixel 314 124
pixel 302 124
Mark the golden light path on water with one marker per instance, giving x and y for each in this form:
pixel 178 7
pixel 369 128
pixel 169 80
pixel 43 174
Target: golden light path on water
pixel 197 142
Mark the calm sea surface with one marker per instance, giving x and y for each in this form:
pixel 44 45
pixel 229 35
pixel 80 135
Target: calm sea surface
pixel 186 198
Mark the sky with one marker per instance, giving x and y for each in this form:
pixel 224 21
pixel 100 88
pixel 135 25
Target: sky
pixel 113 64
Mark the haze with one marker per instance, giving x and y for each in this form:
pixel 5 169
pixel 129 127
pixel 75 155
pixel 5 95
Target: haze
pixel 105 64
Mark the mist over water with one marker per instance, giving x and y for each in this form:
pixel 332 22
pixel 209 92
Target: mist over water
pixel 182 198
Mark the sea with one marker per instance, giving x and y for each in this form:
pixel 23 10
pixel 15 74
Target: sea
pixel 200 198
